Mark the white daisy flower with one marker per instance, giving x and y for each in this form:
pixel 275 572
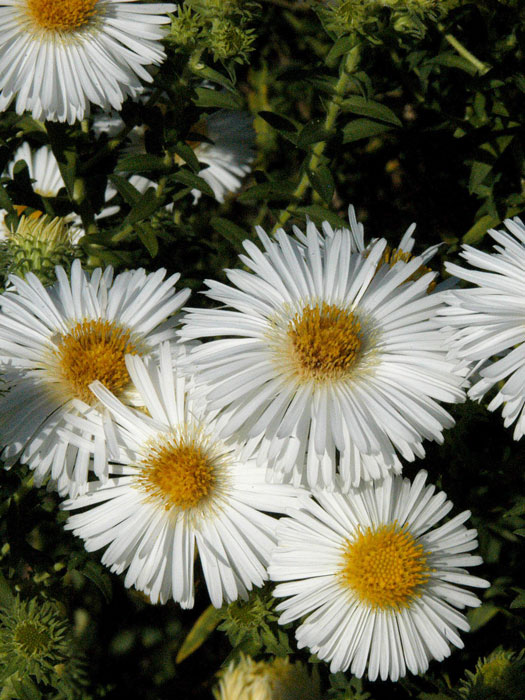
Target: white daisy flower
pixel 42 167
pixel 378 585
pixel 57 56
pixel 488 321
pixel 329 352
pixel 47 182
pixel 178 488
pixel 54 342
pixel 227 157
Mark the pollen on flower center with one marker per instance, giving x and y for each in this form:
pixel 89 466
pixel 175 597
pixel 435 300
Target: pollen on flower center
pixel 94 349
pixel 385 567
pixel 61 15
pixel 179 473
pixel 326 342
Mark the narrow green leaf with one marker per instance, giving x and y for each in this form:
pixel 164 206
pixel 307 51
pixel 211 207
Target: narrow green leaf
pixel 278 122
pixel 127 191
pixel 368 108
pixel 230 231
pixel 140 163
pixel 98 576
pixel 217 98
pixel 479 229
pixel 363 129
pixel 199 633
pixel 144 207
pixel 6 595
pixel 453 61
pixel 270 191
pixel 313 132
pixel 5 201
pixel 194 181
pixel 519 600
pixel 478 617
pixel 340 47
pixel 64 152
pixel 188 155
pixel 319 214
pixel 322 181
pixel 149 239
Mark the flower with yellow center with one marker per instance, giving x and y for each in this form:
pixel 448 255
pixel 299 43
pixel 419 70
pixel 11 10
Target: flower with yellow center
pixel 330 353
pixel 58 56
pixel 378 585
pixel 177 486
pixel 54 343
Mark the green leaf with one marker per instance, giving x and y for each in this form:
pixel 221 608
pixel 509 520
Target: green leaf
pixel 322 181
pixel 141 162
pixel 5 201
pixel 479 229
pixel 144 207
pixel 148 237
pixel 194 181
pixel 278 122
pixel 313 132
pixel 271 191
pixel 340 47
pixel 6 595
pixel 453 61
pixel 24 687
pixel 95 573
pixel 520 531
pixel 199 633
pixel 363 129
pixel 230 231
pixel 64 153
pixel 368 108
pixel 188 155
pixel 519 600
pixel 319 214
pixel 127 191
pixel 217 98
pixel 478 617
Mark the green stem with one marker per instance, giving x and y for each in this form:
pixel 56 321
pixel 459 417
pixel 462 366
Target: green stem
pixel 481 67
pixel 348 67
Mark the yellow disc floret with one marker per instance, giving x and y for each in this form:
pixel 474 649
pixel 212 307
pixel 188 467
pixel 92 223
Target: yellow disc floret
pixel 385 567
pixel 94 349
pixel 326 342
pixel 179 473
pixel 61 15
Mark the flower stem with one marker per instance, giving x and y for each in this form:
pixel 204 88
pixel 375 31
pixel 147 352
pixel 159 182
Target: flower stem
pixel 481 67
pixel 347 68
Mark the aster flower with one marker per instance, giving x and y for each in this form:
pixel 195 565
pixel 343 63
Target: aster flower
pixel 379 585
pixel 178 486
pixel 488 321
pixel 57 56
pixel 267 680
pixel 47 182
pixel 54 342
pixel 42 167
pixel 330 352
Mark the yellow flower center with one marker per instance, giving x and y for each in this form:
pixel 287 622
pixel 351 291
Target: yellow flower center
pixel 94 350
pixel 385 567
pixel 60 15
pixel 326 342
pixel 179 473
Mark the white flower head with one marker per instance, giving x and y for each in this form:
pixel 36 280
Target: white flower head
pixel 42 167
pixel 489 321
pixel 177 484
pixel 57 56
pixel 378 585
pixel 332 357
pixel 54 342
